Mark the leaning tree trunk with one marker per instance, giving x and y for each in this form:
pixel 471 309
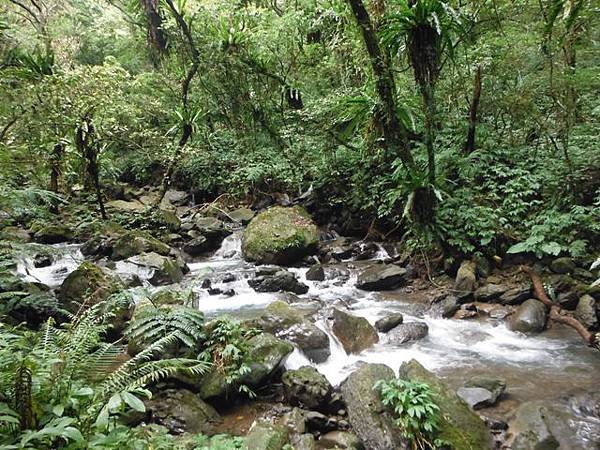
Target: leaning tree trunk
pixel 187 126
pixel 469 146
pixel 557 314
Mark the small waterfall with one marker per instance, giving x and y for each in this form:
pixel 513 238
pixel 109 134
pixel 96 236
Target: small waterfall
pixel 65 259
pixel 231 248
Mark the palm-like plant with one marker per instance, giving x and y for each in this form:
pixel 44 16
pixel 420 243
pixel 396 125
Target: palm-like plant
pixel 424 31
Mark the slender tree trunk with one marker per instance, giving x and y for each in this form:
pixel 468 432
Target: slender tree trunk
pixel 396 138
pixel 55 172
pixel 156 35
pixel 187 126
pixel 470 143
pixel 430 113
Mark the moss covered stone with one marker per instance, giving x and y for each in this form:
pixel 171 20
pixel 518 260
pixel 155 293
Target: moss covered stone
pixel 87 284
pixel 280 236
pixel 136 242
pixel 459 426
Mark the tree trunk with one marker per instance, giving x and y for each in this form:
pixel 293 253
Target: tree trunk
pixel 429 109
pixel 156 35
pixel 396 138
pixel 557 314
pixel 187 126
pixel 84 141
pixel 55 173
pixel 470 143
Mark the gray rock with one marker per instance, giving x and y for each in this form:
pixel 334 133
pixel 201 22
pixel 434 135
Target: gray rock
pixel 530 317
pixel 266 436
pixel 531 432
pixel 340 440
pixel 162 269
pixel 475 397
pixel 386 323
pixel 355 333
pixel 307 387
pixel 381 277
pixel 406 332
pixel 180 410
pixel 587 311
pixel 267 354
pixel 568 300
pixel 563 265
pixel 316 273
pixel 135 243
pixel 241 215
pixel 496 386
pixel 201 245
pixel 53 234
pixel 370 420
pixel 466 280
pixel 447 306
pixel 174 197
pixel 516 295
pixel 291 325
pixel 280 281
pixel 490 292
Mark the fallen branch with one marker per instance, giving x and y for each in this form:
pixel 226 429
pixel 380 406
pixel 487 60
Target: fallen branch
pixel 557 314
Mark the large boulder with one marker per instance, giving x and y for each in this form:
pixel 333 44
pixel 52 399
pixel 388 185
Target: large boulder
pixel 267 354
pixel 530 317
pixel 88 283
pixel 530 429
pixel 407 332
pixel 280 281
pixel 160 269
pixel 307 387
pixel 381 277
pixel 481 392
pixel 136 242
pixel 200 245
pixel 291 325
pixel 490 292
pixel 355 333
pixel 265 435
pixel 587 311
pixel 370 419
pixel 460 427
pixel 180 410
pixel 280 236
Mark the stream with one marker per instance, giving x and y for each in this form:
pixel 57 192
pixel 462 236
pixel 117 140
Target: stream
pixel 553 366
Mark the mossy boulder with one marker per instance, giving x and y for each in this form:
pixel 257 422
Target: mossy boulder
pixel 136 242
pixel 88 283
pixel 265 435
pixel 370 420
pixel 280 236
pixel 459 425
pixel 307 387
pixel 160 269
pixel 53 234
pixel 355 333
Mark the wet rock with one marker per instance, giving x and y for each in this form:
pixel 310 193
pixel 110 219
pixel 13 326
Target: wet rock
pixel 475 397
pixel 280 281
pixel 340 440
pixel 355 333
pixel 316 273
pixel 490 292
pixel 35 309
pixel 291 325
pixel 446 307
pixel 466 280
pixel 370 419
pixel 201 245
pixel 267 354
pixel 530 317
pixel 531 430
pixel 266 436
pixel 280 236
pixel 407 332
pixel 381 277
pixel 53 234
pixel 167 219
pixel 42 260
pixel 316 421
pixel 460 427
pixel 500 312
pixel 563 265
pixel 212 228
pixel 162 269
pixel 496 386
pixel 136 242
pixel 97 246
pixel 587 311
pixel 307 387
pixel 180 410
pixel 386 323
pixel 568 300
pixel 88 283
pixel 241 215
pixel 516 295
pixel 366 250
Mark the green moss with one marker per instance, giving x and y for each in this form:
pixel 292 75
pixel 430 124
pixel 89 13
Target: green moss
pixel 135 242
pixel 280 236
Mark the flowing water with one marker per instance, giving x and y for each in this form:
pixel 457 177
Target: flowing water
pixel 551 366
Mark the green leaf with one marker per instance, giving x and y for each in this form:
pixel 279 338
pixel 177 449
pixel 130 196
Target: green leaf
pixel 133 401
